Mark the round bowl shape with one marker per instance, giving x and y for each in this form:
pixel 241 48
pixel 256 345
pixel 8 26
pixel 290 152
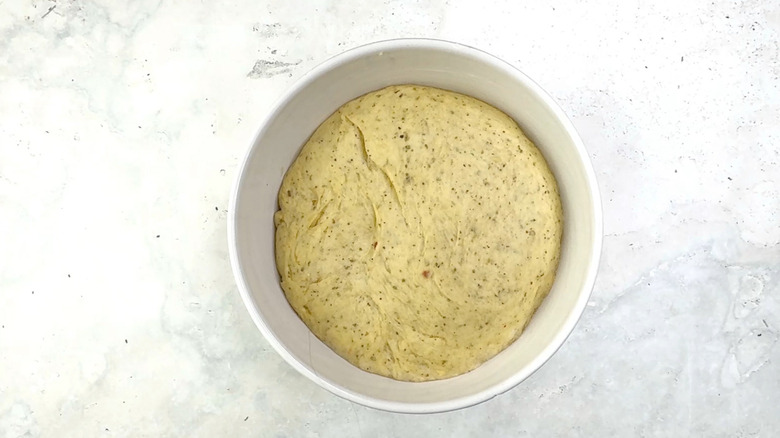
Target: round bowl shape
pixel 308 103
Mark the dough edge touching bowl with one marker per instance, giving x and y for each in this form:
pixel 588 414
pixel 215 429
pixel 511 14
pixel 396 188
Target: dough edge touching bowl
pixel 315 96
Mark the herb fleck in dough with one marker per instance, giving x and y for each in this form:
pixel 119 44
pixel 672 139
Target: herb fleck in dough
pixel 418 230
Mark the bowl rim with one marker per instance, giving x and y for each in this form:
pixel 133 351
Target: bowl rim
pixel 596 240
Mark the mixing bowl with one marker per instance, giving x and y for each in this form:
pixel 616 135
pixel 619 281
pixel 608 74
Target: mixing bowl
pixel 310 101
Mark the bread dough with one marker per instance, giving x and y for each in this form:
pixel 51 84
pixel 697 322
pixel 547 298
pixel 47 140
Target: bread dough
pixel 418 230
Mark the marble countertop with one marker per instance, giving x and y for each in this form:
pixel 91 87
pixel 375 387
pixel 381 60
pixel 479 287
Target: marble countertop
pixel 121 127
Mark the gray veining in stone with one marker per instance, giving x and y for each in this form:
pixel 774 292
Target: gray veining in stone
pixel 121 127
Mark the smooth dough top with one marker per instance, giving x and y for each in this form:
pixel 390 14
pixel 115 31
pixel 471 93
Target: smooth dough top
pixel 418 231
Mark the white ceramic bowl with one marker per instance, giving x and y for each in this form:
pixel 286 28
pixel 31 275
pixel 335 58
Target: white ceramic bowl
pixel 312 99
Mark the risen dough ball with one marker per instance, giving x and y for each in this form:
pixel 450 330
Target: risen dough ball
pixel 418 231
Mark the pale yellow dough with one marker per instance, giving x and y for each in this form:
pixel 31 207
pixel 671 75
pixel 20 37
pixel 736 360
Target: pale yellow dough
pixel 418 231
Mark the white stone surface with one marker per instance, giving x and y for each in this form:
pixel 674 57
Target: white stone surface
pixel 121 126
